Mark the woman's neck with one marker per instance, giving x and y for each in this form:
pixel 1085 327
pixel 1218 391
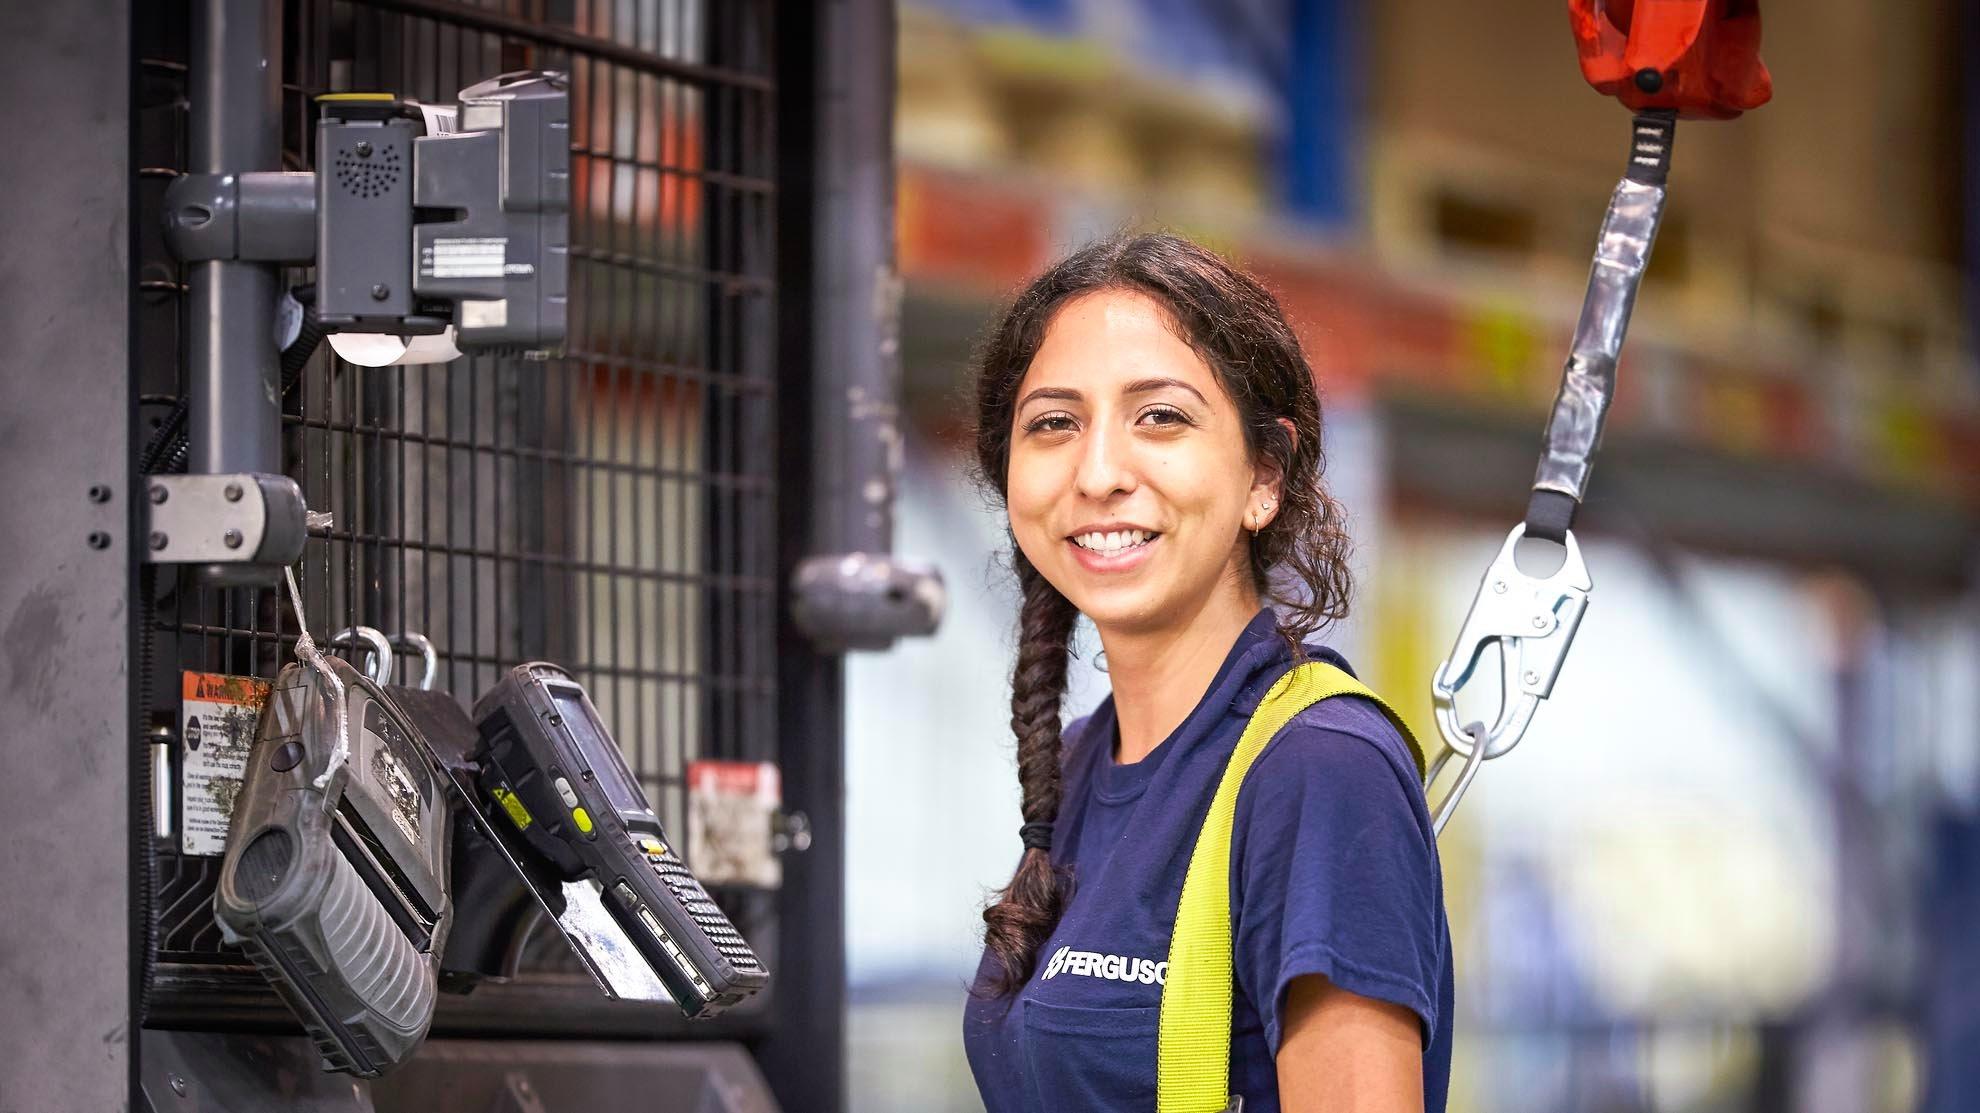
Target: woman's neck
pixel 1159 675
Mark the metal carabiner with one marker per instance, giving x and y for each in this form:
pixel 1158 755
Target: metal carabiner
pixel 429 658
pixel 1533 620
pixel 1473 758
pixel 379 664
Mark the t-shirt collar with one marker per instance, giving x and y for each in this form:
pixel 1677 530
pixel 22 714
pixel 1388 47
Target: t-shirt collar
pixel 1249 664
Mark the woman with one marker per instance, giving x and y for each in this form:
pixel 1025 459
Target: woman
pixel 1148 420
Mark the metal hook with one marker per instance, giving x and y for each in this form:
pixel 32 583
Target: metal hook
pixel 1533 620
pixel 1474 757
pixel 429 658
pixel 379 665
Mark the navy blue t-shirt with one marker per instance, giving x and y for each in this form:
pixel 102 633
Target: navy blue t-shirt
pixel 1334 871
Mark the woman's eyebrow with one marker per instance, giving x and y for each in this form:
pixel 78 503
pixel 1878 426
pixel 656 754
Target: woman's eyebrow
pixel 1145 386
pixel 1065 394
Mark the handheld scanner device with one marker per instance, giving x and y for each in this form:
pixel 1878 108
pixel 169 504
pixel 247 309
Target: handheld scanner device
pixel 554 770
pixel 338 891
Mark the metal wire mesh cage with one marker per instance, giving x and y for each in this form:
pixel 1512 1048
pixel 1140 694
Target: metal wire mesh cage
pixel 610 509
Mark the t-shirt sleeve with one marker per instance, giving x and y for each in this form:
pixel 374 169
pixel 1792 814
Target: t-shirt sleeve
pixel 1334 868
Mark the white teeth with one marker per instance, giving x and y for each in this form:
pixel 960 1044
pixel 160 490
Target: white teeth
pixel 1113 542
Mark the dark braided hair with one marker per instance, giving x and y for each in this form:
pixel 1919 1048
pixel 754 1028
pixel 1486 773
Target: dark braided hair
pixel 1029 907
pixel 1235 325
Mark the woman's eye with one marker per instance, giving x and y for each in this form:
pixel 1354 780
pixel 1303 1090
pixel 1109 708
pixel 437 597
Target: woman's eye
pixel 1049 423
pixel 1162 415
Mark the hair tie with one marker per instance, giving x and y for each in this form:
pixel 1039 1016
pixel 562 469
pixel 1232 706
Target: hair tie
pixel 1036 836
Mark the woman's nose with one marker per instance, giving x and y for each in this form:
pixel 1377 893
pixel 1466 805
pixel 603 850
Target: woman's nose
pixel 1106 466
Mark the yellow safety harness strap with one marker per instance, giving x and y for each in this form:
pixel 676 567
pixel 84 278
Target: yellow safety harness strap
pixel 1193 1052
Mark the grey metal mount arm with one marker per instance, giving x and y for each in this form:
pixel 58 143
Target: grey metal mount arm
pixel 866 600
pixel 259 216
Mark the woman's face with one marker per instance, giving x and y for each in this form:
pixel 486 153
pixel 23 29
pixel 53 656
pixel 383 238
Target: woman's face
pixel 1130 487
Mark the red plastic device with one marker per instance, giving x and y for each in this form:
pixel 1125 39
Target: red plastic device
pixel 1699 57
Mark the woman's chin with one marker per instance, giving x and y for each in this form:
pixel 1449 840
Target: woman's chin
pixel 1124 608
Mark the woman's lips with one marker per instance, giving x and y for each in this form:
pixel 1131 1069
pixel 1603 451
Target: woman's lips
pixel 1124 561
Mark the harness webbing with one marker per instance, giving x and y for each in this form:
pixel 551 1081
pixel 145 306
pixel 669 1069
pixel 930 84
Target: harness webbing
pixel 1193 1052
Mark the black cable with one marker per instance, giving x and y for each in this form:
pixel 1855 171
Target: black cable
pixel 144 777
pixel 169 437
pixel 165 453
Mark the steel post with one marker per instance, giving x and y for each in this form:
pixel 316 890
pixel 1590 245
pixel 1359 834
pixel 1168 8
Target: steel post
pixel 235 420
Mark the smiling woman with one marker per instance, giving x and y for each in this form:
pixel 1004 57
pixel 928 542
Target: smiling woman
pixel 1152 427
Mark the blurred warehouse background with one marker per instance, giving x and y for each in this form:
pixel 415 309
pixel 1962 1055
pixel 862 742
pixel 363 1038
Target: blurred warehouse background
pixel 1737 864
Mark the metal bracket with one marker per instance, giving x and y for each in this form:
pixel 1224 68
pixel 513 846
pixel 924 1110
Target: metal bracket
pixel 865 600
pixel 233 519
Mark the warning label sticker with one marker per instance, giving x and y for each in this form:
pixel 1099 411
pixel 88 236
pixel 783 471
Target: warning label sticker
pixel 216 730
pixel 732 809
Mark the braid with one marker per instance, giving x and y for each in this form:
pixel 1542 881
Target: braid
pixel 1027 910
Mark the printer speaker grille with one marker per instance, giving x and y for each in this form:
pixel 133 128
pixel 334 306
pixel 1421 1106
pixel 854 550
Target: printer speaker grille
pixel 367 175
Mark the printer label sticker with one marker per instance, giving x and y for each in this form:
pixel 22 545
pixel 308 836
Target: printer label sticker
pixel 466 257
pixel 217 719
pixel 395 769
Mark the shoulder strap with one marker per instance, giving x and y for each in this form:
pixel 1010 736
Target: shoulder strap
pixel 1193 1055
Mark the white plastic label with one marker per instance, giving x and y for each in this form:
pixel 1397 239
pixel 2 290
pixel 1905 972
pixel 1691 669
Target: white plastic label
pixel 466 257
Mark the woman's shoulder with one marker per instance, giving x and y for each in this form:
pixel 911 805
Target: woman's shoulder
pixel 1343 728
pixel 1343 748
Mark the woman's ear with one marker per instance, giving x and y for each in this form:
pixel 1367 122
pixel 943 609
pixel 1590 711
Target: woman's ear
pixel 1268 479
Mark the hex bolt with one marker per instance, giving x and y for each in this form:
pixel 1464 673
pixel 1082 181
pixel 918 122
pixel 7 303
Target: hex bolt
pixel 158 540
pixel 233 492
pixel 159 494
pixel 1539 622
pixel 363 149
pixel 99 540
pixel 1499 586
pixel 99 493
pixel 380 292
pixel 232 538
pixel 1530 677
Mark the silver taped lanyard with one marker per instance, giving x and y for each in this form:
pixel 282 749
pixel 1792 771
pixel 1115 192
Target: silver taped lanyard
pixel 308 654
pixel 1588 382
pixel 1533 618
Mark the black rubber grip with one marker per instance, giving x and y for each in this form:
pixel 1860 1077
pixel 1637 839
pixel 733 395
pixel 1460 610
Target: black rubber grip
pixel 1650 139
pixel 1550 514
